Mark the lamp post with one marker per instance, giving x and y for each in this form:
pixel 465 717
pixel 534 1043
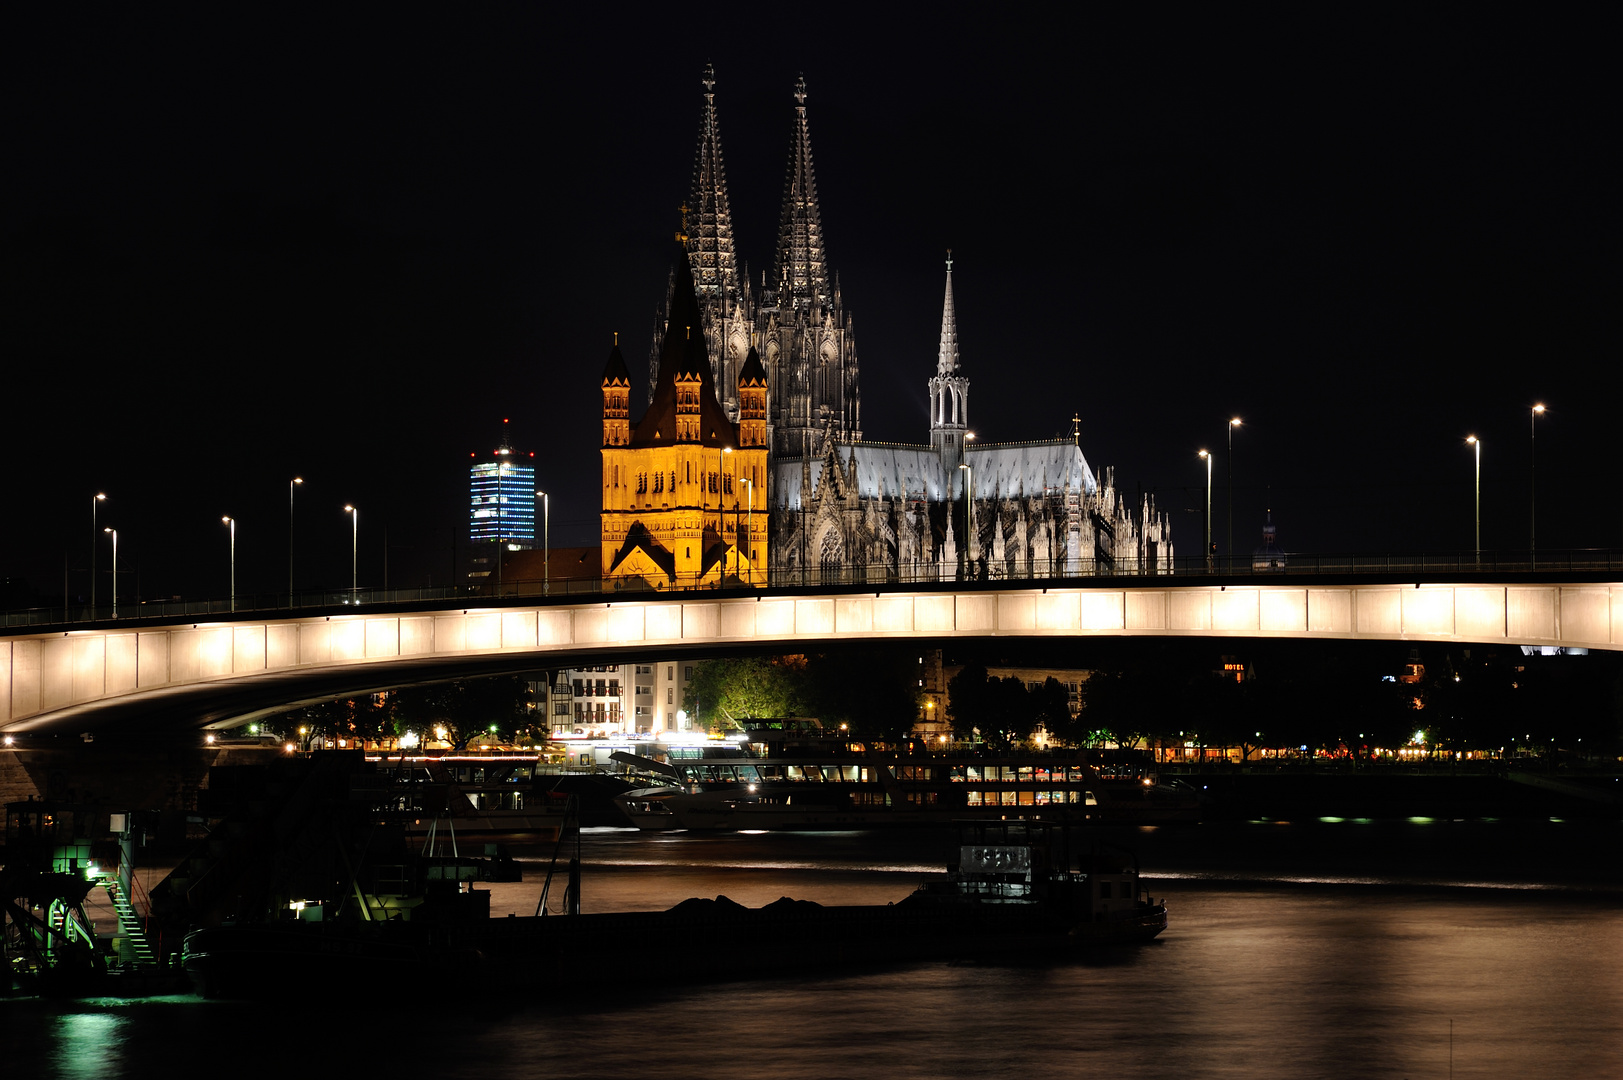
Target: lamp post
pixel 290 486
pixel 115 570
pixel 721 515
pixel 1532 485
pixel 95 504
pixel 1473 441
pixel 546 543
pixel 354 553
pixel 749 521
pixel 1234 423
pixel 232 522
pixel 969 503
pixel 1208 458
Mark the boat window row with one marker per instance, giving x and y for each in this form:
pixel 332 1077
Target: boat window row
pixel 1010 797
pixel 753 774
pixel 1022 774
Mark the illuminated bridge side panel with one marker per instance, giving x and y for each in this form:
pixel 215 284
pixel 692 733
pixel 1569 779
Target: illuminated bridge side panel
pixel 1330 612
pixel 1585 614
pixel 1530 613
pixel 1427 612
pixel 1378 613
pixel 854 615
pixel 1282 611
pixel 1237 611
pixel 1146 611
pixel 893 614
pixel 1189 609
pixel 152 658
pixel 123 664
pixel 416 636
pixel 699 621
pixel 1479 612
pixel 934 613
pixel 247 649
pixel 814 617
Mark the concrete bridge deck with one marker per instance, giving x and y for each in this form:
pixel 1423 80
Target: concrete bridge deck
pixel 220 671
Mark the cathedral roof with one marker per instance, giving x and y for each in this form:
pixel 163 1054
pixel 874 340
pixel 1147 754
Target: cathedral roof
pixel 1006 470
pixel 683 353
pixel 802 269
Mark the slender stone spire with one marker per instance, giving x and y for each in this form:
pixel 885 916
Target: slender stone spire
pixel 710 221
pixel 802 269
pixel 947 359
pixel 949 388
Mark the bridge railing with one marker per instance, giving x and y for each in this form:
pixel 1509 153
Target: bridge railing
pixel 1459 565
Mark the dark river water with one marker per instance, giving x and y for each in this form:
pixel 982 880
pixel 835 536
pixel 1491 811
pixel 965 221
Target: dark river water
pixel 1320 949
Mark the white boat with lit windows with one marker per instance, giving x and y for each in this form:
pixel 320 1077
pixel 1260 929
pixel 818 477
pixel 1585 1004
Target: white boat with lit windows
pixel 875 790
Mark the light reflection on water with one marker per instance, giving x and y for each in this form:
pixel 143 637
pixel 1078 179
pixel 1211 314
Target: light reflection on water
pixel 1323 959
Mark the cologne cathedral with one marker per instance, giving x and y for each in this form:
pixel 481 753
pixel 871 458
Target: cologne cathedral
pixel 833 508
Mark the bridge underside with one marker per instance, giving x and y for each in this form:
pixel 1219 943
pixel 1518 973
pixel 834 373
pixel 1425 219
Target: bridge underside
pixel 219 674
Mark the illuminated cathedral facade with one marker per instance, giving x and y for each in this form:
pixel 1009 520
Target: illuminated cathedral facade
pixel 772 373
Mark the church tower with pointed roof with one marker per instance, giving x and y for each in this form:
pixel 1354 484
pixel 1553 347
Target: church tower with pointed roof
pixel 682 483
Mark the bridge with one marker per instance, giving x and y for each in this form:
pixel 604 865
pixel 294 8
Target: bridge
pixel 223 669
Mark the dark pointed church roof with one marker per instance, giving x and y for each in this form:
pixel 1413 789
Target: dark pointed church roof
pixel 615 372
pixel 683 353
pixel 753 373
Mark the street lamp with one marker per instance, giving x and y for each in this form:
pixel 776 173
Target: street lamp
pixel 721 515
pixel 969 503
pixel 546 543
pixel 1477 444
pixel 290 485
pixel 354 553
pixel 1234 423
pixel 94 506
pixel 232 522
pixel 115 570
pixel 1208 458
pixel 749 522
pixel 1532 484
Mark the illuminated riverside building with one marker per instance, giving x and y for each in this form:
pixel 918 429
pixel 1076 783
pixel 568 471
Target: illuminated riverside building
pixel 502 501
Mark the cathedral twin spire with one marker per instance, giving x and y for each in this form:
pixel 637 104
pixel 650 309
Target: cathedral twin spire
pixel 796 323
pixel 802 269
pixel 709 220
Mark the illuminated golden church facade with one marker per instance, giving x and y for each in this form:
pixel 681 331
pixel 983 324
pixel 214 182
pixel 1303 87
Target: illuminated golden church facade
pixel 684 488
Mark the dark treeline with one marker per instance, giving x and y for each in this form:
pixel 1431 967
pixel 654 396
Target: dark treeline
pixel 1307 698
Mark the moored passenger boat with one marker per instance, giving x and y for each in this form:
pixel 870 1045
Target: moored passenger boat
pixel 875 790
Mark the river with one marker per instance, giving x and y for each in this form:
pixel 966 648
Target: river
pixel 1330 949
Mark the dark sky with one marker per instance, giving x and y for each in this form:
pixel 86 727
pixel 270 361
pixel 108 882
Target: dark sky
pixel 238 247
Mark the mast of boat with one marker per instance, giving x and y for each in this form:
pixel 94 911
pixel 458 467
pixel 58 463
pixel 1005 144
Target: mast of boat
pixel 572 889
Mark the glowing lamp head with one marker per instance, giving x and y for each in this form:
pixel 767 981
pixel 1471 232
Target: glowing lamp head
pixel 1538 408
pixel 1470 440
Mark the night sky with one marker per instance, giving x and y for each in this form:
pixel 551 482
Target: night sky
pixel 240 247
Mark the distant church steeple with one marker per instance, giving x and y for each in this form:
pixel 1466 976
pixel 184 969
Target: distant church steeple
pixel 949 389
